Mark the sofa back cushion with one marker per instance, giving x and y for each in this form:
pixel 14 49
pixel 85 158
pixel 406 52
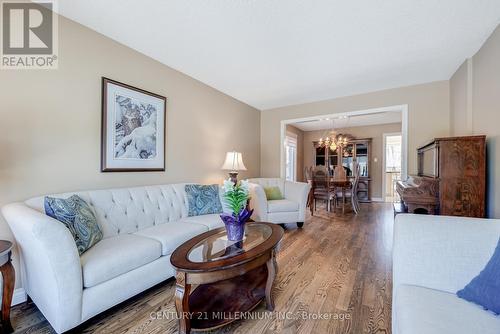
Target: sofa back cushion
pixel 270 182
pixel 127 210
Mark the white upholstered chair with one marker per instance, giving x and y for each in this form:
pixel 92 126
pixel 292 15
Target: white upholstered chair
pixel 290 209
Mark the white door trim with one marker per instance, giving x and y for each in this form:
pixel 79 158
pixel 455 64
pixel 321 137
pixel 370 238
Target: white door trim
pixel 384 141
pixel 295 137
pixel 403 108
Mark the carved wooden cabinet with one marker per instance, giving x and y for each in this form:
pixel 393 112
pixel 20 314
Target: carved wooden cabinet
pixel 462 176
pixel 451 178
pixel 358 150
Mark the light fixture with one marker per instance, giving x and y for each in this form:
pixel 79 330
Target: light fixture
pixel 233 163
pixel 333 140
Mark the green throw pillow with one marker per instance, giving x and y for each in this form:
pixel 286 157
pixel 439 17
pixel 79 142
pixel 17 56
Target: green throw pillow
pixel 273 193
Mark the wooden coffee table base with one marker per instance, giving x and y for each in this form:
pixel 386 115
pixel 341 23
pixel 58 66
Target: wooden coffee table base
pixel 214 293
pixel 216 304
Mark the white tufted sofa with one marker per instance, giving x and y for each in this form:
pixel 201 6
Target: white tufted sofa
pixel 291 209
pixel 142 226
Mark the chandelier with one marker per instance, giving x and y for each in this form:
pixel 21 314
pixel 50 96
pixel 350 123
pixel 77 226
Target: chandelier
pixel 333 140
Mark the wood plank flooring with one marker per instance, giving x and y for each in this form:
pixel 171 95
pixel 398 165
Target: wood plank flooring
pixel 337 267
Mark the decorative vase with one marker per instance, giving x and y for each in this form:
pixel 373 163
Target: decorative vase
pixel 235 225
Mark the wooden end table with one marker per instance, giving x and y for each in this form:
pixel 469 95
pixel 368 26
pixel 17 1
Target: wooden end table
pixel 8 275
pixel 230 277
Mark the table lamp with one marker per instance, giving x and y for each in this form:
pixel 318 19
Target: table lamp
pixel 233 163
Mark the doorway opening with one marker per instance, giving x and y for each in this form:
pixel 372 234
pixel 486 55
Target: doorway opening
pixel 301 155
pixel 392 166
pixel 291 157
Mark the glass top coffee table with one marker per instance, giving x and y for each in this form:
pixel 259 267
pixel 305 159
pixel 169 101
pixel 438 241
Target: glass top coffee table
pixel 230 277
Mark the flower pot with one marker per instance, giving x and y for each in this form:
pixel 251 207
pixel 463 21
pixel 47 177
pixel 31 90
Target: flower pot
pixel 235 231
pixel 235 225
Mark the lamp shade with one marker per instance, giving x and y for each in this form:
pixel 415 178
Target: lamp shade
pixel 233 162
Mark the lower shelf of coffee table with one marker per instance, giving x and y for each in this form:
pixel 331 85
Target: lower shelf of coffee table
pixel 217 304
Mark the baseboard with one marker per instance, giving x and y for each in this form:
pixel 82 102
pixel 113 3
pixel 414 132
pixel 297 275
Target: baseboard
pixel 377 199
pixel 19 296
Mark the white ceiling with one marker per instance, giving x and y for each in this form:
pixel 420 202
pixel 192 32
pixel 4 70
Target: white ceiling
pixel 271 53
pixel 349 122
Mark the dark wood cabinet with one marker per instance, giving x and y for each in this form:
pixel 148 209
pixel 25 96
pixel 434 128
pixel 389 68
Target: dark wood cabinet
pixel 462 176
pixel 451 178
pixel 358 150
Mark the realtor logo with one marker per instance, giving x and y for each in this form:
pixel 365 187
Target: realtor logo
pixel 29 35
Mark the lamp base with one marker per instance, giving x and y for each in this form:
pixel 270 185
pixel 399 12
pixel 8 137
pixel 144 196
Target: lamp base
pixel 234 177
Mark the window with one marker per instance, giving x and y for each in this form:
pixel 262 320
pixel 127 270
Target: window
pixel 291 156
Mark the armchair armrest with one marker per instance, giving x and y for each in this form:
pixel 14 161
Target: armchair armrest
pixel 442 253
pixel 51 264
pixel 298 192
pixel 258 202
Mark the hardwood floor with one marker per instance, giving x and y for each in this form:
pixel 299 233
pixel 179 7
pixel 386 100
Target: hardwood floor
pixel 336 267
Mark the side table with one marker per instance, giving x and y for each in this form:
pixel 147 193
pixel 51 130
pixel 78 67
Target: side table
pixel 8 275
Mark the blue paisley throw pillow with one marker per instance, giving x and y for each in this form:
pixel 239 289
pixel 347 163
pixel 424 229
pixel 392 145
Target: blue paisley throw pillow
pixel 78 217
pixel 203 199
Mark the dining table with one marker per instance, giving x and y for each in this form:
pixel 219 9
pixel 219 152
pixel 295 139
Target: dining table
pixel 343 184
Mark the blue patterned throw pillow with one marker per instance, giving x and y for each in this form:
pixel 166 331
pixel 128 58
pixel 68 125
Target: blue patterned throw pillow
pixel 203 199
pixel 78 217
pixel 484 289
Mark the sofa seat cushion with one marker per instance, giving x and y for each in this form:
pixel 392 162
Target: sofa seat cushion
pixel 210 221
pixel 282 205
pixel 172 235
pixel 115 256
pixel 421 310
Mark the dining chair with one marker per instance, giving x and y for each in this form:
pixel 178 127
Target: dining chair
pixel 350 193
pixel 339 173
pixel 308 170
pixel 308 175
pixel 321 189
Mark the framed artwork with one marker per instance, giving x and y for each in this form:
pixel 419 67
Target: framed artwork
pixel 133 129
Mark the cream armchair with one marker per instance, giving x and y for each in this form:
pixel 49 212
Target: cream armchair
pixel 291 209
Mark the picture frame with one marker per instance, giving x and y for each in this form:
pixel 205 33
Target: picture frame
pixel 133 128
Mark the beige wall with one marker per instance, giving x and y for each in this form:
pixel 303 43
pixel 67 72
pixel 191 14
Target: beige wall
pixel 483 91
pixel 300 150
pixel 459 120
pixel 50 122
pixel 376 132
pixel 429 117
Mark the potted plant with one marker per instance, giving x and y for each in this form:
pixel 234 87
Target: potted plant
pixel 236 196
